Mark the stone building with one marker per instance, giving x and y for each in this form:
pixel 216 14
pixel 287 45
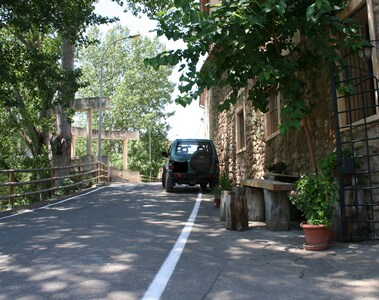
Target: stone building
pixel 250 146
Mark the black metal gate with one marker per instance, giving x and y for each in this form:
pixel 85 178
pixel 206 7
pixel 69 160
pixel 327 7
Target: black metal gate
pixel 355 104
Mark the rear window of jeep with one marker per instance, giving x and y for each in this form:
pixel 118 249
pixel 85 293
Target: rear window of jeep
pixel 188 147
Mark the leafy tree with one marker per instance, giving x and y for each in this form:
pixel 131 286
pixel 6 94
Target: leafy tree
pixel 138 94
pixel 145 154
pixel 149 7
pixel 282 45
pixel 24 92
pixel 37 78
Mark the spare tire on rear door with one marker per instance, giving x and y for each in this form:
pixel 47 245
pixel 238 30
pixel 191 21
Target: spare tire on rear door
pixel 201 161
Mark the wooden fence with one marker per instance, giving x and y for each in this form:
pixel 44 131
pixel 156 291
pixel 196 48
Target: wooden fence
pixel 149 179
pixel 19 187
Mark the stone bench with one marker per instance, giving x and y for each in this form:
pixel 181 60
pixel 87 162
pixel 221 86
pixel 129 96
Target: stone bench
pixel 275 195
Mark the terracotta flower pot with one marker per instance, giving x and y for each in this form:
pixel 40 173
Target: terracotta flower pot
pixel 317 237
pixel 217 202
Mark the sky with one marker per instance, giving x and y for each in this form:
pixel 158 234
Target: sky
pixel 188 122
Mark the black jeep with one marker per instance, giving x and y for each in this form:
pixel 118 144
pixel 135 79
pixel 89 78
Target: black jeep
pixel 190 161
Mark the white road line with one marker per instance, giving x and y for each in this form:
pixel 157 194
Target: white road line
pixel 49 205
pixel 160 281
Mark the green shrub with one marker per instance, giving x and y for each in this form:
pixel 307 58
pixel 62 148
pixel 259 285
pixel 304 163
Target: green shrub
pixel 315 196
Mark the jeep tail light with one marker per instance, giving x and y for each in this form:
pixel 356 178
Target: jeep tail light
pixel 171 165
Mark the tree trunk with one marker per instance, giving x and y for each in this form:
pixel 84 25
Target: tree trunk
pixel 61 141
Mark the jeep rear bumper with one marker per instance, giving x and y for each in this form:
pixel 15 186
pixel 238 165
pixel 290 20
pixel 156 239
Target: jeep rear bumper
pixel 188 178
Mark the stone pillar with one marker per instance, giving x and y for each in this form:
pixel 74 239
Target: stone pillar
pixel 89 132
pixel 125 153
pixel 73 146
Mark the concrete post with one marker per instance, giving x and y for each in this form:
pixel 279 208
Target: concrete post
pixel 89 132
pixel 125 153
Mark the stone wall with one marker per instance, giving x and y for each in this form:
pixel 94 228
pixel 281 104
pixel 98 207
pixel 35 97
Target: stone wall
pixel 293 149
pixel 247 163
pixel 260 154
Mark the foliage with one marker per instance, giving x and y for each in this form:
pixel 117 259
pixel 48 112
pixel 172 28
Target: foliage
pixel 66 187
pixel 223 185
pixel 139 152
pixel 280 44
pixel 81 147
pixel 139 95
pixel 15 155
pixel 24 89
pixel 329 163
pixel 49 17
pixel 12 148
pixel 149 7
pixel 315 196
pixel 34 88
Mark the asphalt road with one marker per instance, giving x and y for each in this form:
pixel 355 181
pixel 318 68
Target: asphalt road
pixel 132 242
pixel 108 244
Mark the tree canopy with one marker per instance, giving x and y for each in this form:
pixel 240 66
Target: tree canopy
pixel 280 45
pixel 36 89
pixel 38 77
pixel 149 7
pixel 138 94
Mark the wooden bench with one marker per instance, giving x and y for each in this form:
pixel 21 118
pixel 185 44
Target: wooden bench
pixel 275 194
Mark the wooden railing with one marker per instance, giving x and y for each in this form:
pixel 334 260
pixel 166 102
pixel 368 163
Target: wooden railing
pixel 18 187
pixel 149 179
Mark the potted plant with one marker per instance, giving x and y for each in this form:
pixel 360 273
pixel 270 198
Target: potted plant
pixel 315 196
pixel 223 185
pixel 217 195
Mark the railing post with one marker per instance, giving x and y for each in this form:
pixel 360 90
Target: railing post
pixel 52 176
pixel 80 179
pixel 101 172
pixel 108 170
pixel 11 187
pixel 98 172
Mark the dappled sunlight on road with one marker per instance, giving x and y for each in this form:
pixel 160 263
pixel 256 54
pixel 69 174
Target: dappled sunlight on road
pixel 94 247
pixel 110 246
pixel 267 264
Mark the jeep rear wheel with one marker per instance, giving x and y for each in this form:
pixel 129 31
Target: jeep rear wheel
pixel 169 183
pixel 201 161
pixel 164 179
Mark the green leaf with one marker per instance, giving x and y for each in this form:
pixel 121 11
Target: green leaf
pixel 194 17
pixel 179 3
pixel 247 41
pixel 310 12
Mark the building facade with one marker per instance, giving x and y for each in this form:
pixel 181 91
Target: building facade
pixel 250 146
